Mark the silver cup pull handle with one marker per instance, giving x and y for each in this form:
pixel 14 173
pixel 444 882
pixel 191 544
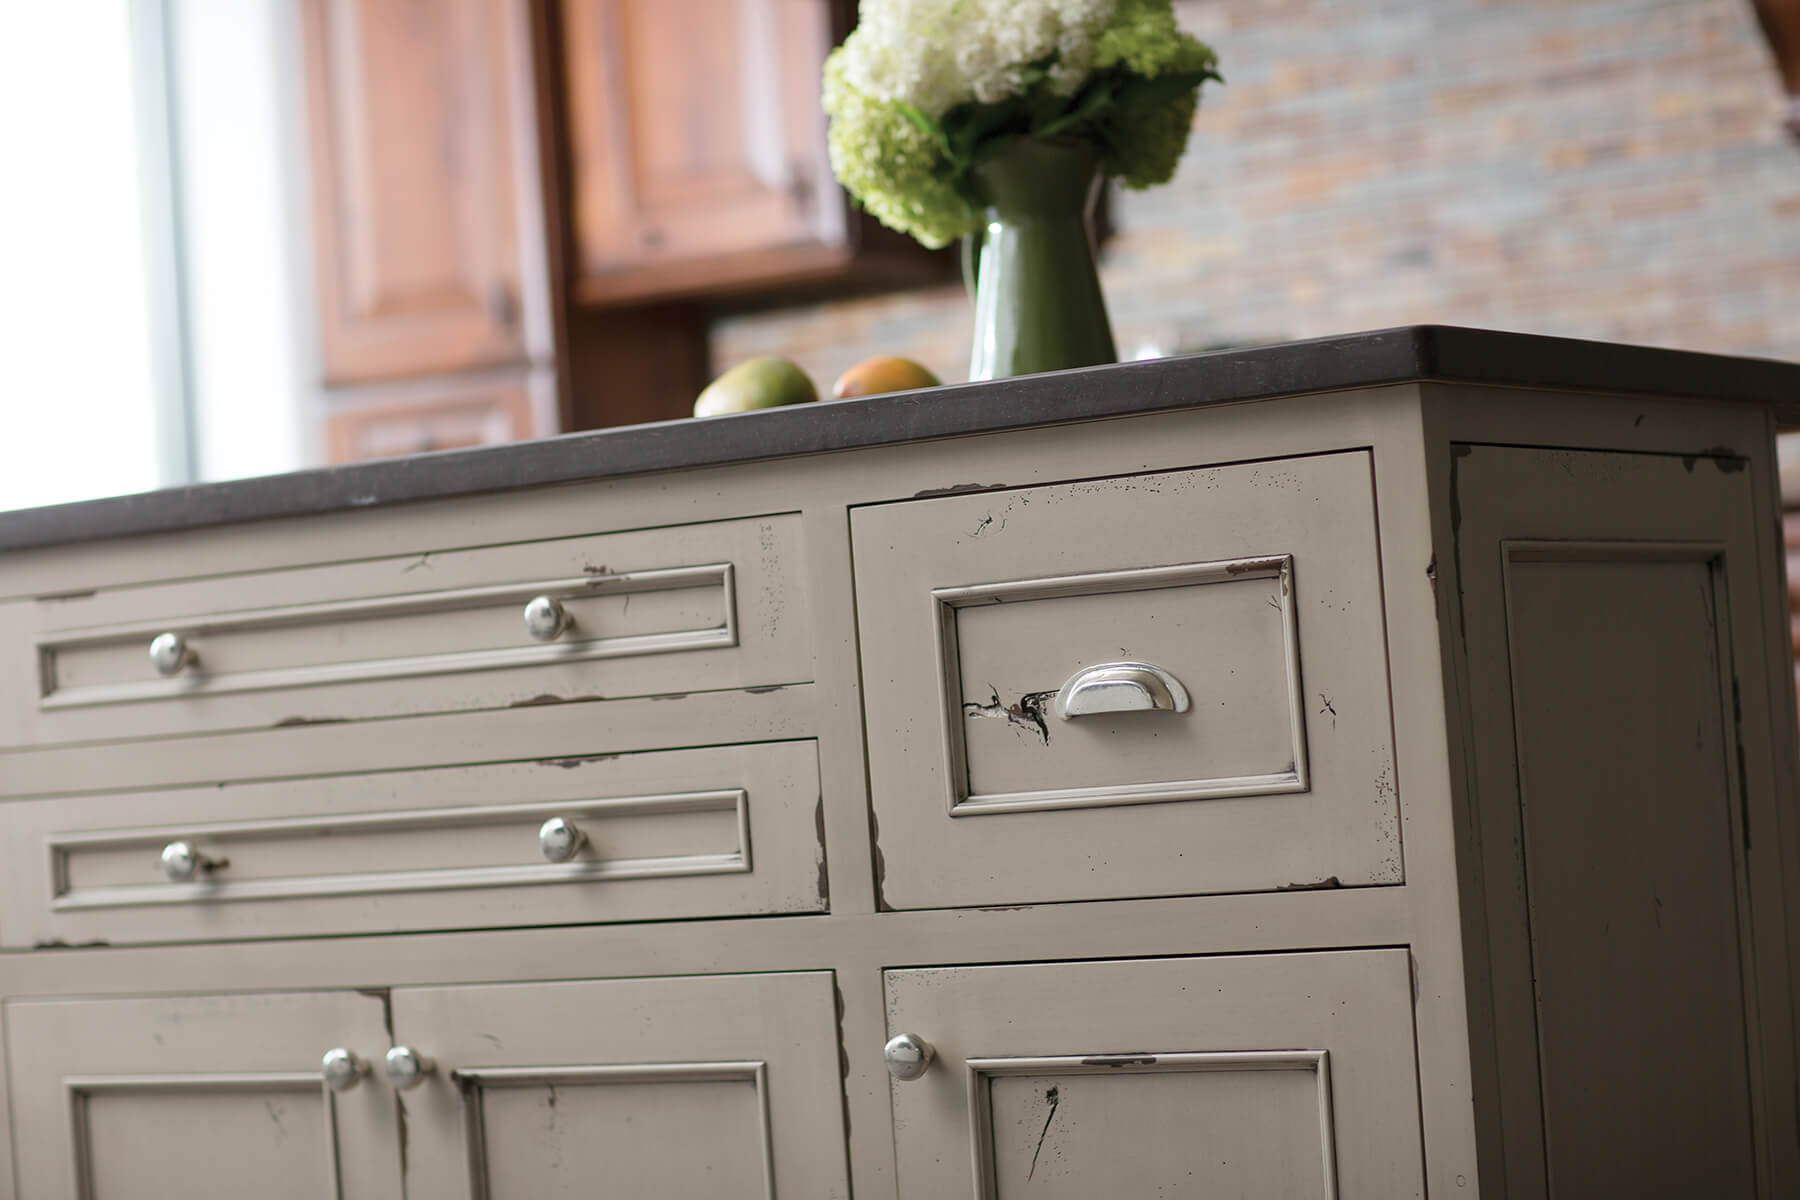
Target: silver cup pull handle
pixel 1117 687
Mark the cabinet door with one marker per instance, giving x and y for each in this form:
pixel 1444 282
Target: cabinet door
pixel 714 1087
pixel 1630 820
pixel 1273 1076
pixel 413 185
pixel 697 144
pixel 199 1098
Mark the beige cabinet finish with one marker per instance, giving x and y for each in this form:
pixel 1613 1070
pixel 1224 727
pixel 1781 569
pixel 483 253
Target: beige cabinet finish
pixel 1363 793
pixel 1278 774
pixel 727 831
pixel 707 1086
pixel 1268 1075
pixel 433 630
pixel 203 1096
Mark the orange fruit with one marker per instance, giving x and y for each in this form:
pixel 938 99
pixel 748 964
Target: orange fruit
pixel 873 376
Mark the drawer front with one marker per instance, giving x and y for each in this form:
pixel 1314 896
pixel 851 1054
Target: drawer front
pixel 687 833
pixel 1157 685
pixel 1284 1075
pixel 649 612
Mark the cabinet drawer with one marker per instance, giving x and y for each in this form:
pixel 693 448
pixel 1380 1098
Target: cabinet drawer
pixel 1097 690
pixel 655 835
pixel 1270 1075
pixel 643 613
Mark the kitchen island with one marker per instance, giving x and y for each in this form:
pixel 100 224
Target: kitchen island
pixel 1362 768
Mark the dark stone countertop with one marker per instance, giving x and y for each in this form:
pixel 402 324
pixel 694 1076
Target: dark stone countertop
pixel 1425 352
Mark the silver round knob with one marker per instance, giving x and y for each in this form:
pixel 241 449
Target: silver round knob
pixel 342 1069
pixel 560 840
pixel 907 1056
pixel 169 653
pixel 406 1067
pixel 546 618
pixel 182 860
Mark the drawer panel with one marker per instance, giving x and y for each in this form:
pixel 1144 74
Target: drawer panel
pixel 423 632
pixel 1158 685
pixel 655 835
pixel 1259 1075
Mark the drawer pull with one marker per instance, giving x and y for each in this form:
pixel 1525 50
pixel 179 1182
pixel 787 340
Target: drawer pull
pixel 182 861
pixel 907 1056
pixel 169 653
pixel 545 618
pixel 342 1069
pixel 1120 687
pixel 560 839
pixel 407 1068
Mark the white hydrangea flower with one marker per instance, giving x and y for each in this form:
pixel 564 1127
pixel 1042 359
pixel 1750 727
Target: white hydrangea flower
pixel 936 54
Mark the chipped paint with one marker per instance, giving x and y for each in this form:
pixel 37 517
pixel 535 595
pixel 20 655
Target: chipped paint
pixel 1120 1060
pixel 1052 1096
pixel 956 489
pixel 547 698
pixel 1026 713
pixel 1325 884
pixel 1724 458
pixel 824 877
pixel 569 764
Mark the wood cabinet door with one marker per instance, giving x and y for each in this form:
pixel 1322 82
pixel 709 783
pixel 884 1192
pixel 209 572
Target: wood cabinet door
pixel 454 412
pixel 697 144
pixel 703 1087
pixel 1275 1076
pixel 199 1098
pixel 413 180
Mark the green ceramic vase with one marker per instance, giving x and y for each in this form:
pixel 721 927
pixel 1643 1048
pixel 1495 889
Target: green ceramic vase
pixel 1030 267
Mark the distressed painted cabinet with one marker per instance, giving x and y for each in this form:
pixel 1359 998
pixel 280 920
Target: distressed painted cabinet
pixel 1362 768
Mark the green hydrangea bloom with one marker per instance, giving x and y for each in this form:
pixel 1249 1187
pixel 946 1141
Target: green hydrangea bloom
pixel 891 166
pixel 1118 73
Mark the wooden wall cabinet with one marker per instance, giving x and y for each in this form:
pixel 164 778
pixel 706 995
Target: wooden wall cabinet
pixel 522 208
pixel 697 146
pixel 413 180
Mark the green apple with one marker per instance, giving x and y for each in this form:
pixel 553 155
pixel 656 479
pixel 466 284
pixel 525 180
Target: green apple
pixel 755 383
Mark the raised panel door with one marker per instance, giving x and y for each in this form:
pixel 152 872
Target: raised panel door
pixel 199 1098
pixel 413 183
pixel 697 144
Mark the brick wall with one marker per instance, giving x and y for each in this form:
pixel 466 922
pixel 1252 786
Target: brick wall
pixel 1596 168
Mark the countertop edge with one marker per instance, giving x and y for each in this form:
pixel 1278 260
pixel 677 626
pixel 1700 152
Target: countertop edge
pixel 1360 360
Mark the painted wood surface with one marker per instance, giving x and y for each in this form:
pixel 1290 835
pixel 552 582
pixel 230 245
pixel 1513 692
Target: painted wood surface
pixel 1459 921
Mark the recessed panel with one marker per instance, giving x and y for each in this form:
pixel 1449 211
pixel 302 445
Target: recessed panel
pixel 1625 777
pixel 645 1138
pixel 208 1145
pixel 1219 1130
pixel 1224 632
